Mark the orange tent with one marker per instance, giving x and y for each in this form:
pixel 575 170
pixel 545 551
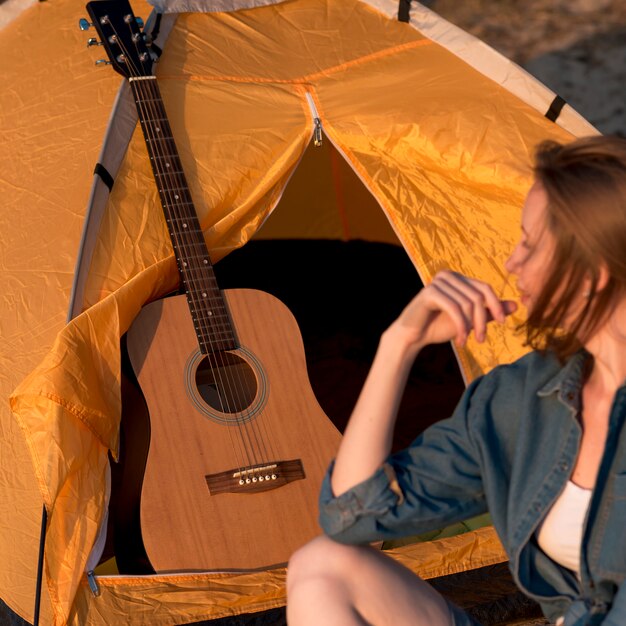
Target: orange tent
pixel 432 135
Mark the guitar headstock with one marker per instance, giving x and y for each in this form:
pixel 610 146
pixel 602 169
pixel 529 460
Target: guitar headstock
pixel 121 36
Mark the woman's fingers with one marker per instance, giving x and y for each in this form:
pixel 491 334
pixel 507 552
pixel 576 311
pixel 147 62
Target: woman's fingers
pixel 472 304
pixel 456 307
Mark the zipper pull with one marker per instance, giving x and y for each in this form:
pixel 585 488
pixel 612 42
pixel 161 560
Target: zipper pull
pixel 93 585
pixel 317 133
pixel 317 130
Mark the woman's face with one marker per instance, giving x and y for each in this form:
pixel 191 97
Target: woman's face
pixel 531 258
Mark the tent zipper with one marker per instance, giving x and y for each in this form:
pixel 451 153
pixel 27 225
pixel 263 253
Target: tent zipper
pixel 93 577
pixel 317 140
pixel 93 585
pixel 317 122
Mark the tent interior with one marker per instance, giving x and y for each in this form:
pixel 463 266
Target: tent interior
pixel 343 293
pixel 344 290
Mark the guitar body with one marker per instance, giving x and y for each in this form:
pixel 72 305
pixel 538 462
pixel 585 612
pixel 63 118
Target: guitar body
pixel 222 414
pixel 238 443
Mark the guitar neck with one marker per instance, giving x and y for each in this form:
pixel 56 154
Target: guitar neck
pixel 206 303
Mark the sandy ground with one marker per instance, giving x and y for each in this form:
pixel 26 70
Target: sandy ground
pixel 577 48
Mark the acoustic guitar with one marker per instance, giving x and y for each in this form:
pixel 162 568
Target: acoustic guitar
pixel 238 442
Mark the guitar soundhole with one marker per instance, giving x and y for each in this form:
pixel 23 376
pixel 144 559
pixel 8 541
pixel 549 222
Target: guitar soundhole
pixel 226 382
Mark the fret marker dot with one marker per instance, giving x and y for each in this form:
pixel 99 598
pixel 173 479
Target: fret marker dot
pixel 206 262
pixel 167 165
pixel 210 312
pixel 204 294
pixel 184 225
pixel 176 197
pixel 185 263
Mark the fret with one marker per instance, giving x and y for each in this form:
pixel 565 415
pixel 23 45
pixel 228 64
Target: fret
pixel 216 335
pixel 143 99
pixel 209 304
pixel 205 300
pixel 170 206
pixel 201 284
pixel 214 331
pixel 158 138
pixel 178 201
pixel 183 219
pixel 176 189
pixel 191 251
pixel 172 156
pixel 188 258
pixel 212 300
pixel 213 317
pixel 151 120
pixel 203 256
pixel 185 247
pixel 168 158
pixel 169 172
pixel 219 331
pixel 210 334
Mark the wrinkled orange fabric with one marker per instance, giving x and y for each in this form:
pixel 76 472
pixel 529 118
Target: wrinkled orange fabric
pixel 445 152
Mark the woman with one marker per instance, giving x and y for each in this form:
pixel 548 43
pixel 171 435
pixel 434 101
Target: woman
pixel 539 443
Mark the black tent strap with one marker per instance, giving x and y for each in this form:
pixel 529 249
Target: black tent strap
pixel 404 10
pixel 42 544
pixel 555 108
pixel 106 178
pixel 155 33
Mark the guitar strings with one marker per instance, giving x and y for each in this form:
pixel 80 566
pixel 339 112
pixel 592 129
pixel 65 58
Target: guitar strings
pixel 177 177
pixel 155 146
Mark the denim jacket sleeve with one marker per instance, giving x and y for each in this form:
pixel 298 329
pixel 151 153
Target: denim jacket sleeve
pixel 435 482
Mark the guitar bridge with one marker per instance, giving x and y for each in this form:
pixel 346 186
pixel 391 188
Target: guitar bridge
pixel 255 478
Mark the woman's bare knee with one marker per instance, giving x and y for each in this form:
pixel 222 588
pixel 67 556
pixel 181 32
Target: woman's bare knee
pixel 322 574
pixel 318 587
pixel 321 556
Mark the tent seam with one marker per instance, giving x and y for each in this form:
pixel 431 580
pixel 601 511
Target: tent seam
pixel 306 77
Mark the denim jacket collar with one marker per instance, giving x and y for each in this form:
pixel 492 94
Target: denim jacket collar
pixel 569 380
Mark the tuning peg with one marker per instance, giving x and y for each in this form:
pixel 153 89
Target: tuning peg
pixel 92 41
pixel 129 18
pixel 83 24
pixel 103 62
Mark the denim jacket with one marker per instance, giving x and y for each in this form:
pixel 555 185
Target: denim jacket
pixel 509 448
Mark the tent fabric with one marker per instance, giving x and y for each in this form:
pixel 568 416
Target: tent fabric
pixel 443 148
pixel 185 599
pixel 489 62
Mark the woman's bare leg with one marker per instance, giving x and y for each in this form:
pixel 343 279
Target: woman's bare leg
pixel 337 585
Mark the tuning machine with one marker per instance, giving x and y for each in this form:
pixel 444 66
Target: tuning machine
pixel 84 24
pixel 103 62
pixel 92 41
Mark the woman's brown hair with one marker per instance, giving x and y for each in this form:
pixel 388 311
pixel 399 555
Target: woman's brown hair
pixel 585 183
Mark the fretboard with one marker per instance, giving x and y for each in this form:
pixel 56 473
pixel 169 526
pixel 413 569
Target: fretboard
pixel 206 303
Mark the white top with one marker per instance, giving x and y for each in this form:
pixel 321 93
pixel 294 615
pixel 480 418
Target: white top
pixel 561 532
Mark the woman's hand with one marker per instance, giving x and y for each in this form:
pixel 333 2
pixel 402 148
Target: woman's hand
pixel 449 308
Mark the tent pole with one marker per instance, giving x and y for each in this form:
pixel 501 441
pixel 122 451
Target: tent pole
pixel 42 543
